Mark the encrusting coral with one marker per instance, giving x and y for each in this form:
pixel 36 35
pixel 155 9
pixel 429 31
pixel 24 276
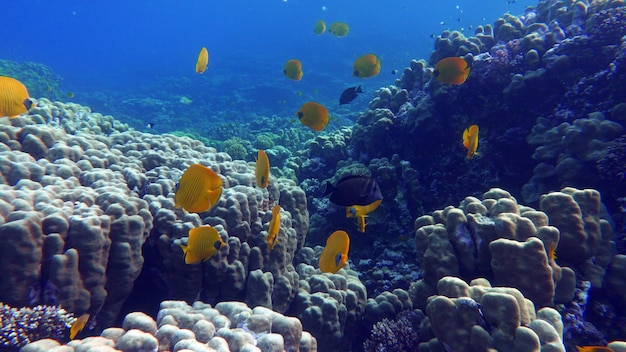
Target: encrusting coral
pixel 21 326
pixel 499 238
pixel 77 210
pixel 229 326
pixel 86 212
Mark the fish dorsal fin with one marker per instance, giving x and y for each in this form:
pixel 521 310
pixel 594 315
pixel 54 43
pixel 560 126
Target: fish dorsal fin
pixel 466 138
pixel 213 195
pixel 349 177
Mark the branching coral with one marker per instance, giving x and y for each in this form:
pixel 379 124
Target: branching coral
pixel 235 148
pixel 21 326
pixel 612 166
pixel 399 335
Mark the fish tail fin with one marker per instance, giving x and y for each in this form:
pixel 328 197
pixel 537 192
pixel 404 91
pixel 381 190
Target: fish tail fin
pixel 358 89
pixel 328 188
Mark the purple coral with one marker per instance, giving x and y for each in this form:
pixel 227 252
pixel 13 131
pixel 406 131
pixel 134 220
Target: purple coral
pixel 576 330
pixel 398 335
pixel 607 26
pixel 22 326
pixel 612 166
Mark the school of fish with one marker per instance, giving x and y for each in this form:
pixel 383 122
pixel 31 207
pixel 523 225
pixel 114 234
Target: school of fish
pixel 200 188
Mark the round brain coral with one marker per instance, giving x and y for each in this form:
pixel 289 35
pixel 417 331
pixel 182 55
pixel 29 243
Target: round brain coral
pixel 235 148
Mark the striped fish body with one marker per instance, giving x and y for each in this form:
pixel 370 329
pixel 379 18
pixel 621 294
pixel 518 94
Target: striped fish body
pixel 14 98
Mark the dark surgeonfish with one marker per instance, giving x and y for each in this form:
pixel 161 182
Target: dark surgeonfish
pixel 354 190
pixel 349 95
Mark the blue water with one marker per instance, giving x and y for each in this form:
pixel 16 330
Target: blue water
pixel 135 49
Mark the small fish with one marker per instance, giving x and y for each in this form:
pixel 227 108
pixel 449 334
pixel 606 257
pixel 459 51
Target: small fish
pixel 552 251
pixel 404 238
pixel 293 70
pixel 360 223
pixel 272 231
pixel 360 212
pixel 451 70
pixel 366 66
pixel 355 211
pixel 335 254
pixel 203 61
pixel 339 29
pixel 432 35
pixel 393 72
pixel 262 170
pixel 313 115
pixel 70 95
pixel 354 190
pixel 593 349
pixel 320 27
pixel 204 241
pixel 199 190
pixel 150 125
pixel 470 140
pixel 349 95
pixel 14 98
pixel 78 325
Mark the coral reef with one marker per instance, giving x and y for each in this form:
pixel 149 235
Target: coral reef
pixel 229 326
pixel 547 56
pixel 88 223
pixel 398 335
pixel 79 203
pixel 95 211
pixel 329 305
pixel 20 327
pixel 41 80
pixel 476 317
